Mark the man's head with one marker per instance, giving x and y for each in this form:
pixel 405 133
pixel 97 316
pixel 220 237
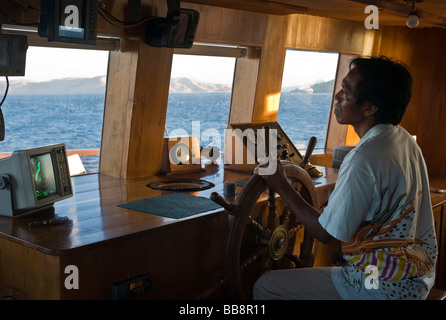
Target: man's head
pixel 384 83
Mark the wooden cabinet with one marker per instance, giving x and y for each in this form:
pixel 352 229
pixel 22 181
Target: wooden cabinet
pixel 107 244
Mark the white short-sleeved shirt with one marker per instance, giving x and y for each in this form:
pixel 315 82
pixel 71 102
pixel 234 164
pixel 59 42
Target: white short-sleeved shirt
pixel 381 210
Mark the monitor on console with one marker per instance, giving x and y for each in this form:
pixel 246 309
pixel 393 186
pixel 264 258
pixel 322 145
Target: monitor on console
pixel 33 179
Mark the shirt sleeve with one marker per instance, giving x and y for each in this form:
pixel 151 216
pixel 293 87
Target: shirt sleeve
pixel 350 204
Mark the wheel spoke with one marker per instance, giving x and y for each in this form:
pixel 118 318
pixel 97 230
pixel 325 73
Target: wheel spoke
pixel 294 258
pixel 273 218
pixel 258 229
pixel 286 216
pixel 267 265
pixel 292 231
pixel 253 258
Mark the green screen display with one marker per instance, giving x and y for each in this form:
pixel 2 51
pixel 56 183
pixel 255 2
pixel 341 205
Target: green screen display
pixel 43 175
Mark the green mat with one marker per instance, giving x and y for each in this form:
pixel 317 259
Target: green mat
pixel 241 183
pixel 174 205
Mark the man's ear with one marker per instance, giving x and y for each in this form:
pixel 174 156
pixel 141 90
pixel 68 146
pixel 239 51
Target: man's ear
pixel 371 109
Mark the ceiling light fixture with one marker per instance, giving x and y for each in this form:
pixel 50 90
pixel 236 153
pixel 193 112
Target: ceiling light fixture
pixel 413 19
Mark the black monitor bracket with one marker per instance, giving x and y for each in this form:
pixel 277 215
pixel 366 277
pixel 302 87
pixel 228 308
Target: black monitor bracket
pixel 173 8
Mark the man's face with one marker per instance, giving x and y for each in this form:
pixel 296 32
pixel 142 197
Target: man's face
pixel 346 110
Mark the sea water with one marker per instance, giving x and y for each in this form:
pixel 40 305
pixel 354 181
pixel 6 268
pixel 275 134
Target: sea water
pixel 38 120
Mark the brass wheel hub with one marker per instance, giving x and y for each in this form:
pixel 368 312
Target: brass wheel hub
pixel 278 243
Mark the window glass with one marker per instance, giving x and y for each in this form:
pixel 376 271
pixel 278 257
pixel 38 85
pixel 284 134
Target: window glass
pixel 200 98
pixel 307 91
pixel 59 100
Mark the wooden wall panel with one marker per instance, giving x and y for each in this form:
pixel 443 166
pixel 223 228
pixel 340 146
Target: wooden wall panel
pixel 149 112
pixel 244 86
pixel 27 273
pixel 423 50
pixel 397 43
pixel 269 81
pixel 229 26
pixel 337 134
pixel 324 34
pixel 118 109
pixel 135 110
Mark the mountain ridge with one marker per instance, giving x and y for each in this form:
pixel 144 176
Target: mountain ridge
pixel 69 86
pixel 187 85
pixel 319 87
pixel 97 85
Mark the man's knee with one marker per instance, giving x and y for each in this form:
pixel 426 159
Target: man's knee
pixel 262 287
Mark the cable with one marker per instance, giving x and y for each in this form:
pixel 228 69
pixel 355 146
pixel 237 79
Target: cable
pixel 119 23
pixel 25 5
pixel 6 91
pixel 11 20
pixel 2 120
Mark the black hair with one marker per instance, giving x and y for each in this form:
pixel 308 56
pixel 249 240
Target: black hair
pixel 385 83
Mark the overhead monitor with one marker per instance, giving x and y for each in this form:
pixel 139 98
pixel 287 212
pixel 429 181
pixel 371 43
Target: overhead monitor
pixel 33 179
pixel 175 31
pixel 71 21
pixel 13 55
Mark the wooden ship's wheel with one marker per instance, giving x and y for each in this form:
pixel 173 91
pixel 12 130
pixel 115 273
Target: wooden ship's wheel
pixel 266 237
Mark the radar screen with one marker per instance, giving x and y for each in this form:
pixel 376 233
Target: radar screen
pixel 43 176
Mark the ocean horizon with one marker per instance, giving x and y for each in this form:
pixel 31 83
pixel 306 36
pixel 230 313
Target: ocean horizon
pixel 76 120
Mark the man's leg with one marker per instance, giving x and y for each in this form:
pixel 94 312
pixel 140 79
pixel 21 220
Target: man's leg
pixel 296 284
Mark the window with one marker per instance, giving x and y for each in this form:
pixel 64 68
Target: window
pixel 307 90
pixel 59 100
pixel 200 97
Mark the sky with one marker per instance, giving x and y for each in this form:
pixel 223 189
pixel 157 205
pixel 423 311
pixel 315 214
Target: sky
pixel 302 68
pixel 43 64
pixel 219 70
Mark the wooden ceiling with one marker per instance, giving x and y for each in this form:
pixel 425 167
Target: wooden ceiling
pixel 391 12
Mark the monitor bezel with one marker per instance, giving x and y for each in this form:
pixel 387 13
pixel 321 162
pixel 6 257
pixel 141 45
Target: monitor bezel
pixel 53 151
pixel 56 174
pixel 18 195
pixel 160 30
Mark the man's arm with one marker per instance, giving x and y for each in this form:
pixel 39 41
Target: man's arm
pixel 307 214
